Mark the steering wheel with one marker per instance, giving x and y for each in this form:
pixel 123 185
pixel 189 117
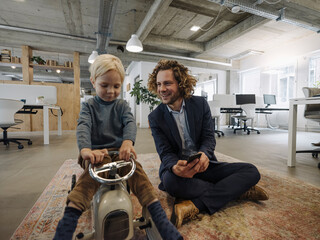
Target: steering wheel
pixel 112 166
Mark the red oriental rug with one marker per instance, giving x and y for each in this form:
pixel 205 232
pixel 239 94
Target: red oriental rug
pixel 292 212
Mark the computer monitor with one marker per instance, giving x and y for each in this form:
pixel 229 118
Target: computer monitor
pixel 269 99
pixel 245 99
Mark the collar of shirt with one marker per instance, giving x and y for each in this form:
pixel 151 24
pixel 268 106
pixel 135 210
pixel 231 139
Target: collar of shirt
pixel 181 109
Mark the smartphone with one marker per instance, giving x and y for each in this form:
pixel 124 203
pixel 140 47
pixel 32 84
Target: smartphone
pixel 193 157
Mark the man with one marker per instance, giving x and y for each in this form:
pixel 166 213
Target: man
pixel 182 126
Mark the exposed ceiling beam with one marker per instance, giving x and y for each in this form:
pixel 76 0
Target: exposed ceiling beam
pixel 153 40
pixel 158 8
pixel 73 16
pixel 235 32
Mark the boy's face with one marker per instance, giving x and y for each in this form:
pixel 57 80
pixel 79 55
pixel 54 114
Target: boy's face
pixel 168 89
pixel 108 86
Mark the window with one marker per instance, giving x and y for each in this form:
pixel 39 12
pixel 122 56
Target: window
pixel 286 83
pixel 314 72
pixel 207 88
pixel 250 82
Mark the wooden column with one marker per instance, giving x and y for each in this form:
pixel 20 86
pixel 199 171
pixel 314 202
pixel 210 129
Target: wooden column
pixel 27 71
pixel 76 86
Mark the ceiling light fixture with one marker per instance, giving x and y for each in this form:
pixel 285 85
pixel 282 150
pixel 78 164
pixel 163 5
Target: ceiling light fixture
pixel 235 9
pixel 134 44
pixel 93 56
pixel 194 28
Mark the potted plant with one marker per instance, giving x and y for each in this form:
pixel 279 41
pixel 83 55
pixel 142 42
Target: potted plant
pixel 143 95
pixel 38 60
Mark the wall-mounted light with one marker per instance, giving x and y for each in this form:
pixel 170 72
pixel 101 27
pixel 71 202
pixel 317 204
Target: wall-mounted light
pixel 58 70
pixel 13 67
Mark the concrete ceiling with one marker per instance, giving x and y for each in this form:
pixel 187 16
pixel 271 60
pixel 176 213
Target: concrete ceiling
pixel 57 28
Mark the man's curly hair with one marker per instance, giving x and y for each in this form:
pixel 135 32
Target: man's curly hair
pixel 181 73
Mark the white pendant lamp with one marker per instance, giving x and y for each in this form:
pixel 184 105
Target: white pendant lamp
pixel 134 44
pixel 93 56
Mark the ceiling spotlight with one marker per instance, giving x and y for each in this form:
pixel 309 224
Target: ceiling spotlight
pixel 235 9
pixel 134 44
pixel 58 70
pixel 93 56
pixel 13 67
pixel 194 28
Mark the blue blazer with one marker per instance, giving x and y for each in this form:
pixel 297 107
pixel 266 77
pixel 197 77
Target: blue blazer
pixel 166 134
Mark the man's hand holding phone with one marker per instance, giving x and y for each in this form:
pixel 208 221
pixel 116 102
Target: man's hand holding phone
pixel 185 168
pixel 193 157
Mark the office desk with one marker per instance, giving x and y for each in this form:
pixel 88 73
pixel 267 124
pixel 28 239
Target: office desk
pixel 266 110
pixel 258 110
pixel 292 136
pixel 32 109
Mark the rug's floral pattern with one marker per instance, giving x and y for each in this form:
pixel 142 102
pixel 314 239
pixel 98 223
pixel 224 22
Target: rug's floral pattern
pixel 292 212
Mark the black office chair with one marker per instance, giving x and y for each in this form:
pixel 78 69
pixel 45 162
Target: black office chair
pixel 8 108
pixel 312 112
pixel 249 114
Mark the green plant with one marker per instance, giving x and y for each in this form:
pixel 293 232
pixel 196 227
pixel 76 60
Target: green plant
pixel 38 60
pixel 317 84
pixel 143 95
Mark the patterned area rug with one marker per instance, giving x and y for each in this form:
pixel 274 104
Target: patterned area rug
pixel 292 212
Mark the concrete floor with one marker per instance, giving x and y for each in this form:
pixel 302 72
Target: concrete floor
pixel 25 173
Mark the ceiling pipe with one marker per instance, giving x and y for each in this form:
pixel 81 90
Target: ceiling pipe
pixel 256 10
pixel 55 34
pixel 107 13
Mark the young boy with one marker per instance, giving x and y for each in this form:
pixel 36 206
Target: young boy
pixel 106 122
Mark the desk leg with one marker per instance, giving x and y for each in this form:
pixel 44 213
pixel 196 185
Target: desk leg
pixel 292 135
pixel 45 125
pixel 59 123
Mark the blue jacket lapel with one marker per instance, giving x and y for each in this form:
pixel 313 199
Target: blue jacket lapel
pixel 190 111
pixel 172 125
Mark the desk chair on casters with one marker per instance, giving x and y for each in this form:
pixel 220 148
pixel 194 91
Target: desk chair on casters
pixel 215 113
pixel 249 110
pixel 312 112
pixel 8 108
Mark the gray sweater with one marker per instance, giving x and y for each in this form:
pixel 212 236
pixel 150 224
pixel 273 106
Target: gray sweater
pixel 105 124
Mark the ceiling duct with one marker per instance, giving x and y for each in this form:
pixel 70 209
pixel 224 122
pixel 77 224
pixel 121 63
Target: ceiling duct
pixel 257 10
pixel 108 9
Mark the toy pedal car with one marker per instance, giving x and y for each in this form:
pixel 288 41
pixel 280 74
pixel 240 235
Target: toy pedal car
pixel 112 211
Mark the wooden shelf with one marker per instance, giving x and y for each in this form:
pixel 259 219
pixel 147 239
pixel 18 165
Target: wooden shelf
pixel 51 67
pixel 9 64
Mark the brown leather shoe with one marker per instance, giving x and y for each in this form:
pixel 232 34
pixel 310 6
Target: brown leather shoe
pixel 182 211
pixel 255 193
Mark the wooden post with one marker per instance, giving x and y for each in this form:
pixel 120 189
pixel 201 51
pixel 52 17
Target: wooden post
pixel 76 86
pixel 27 70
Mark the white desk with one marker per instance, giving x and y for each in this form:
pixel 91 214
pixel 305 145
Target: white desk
pixel 46 118
pixel 292 136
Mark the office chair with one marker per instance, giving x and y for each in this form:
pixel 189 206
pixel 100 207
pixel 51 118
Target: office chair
pixel 215 113
pixel 249 110
pixel 312 112
pixel 8 108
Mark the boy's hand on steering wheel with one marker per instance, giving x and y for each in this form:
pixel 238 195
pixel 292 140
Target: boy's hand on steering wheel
pixel 126 149
pixel 94 156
